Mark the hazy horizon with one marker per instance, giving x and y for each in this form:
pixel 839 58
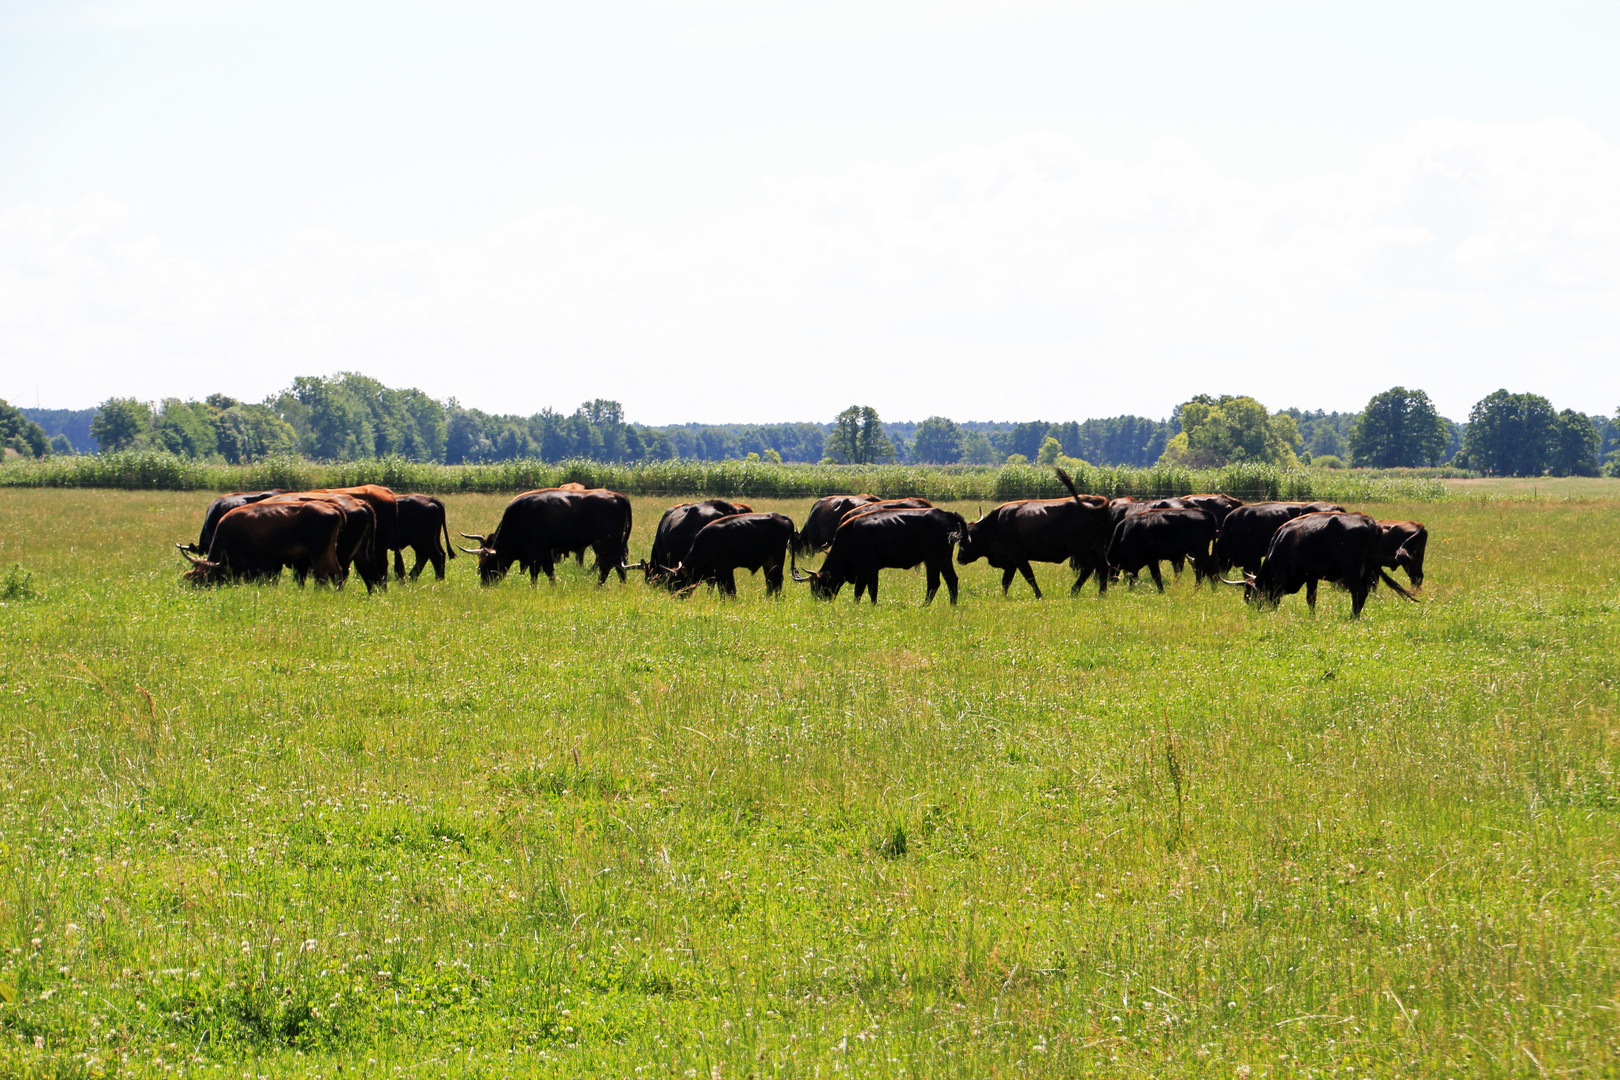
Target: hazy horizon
pixel 769 209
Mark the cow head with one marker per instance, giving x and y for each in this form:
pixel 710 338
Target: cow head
pixel 973 541
pixel 824 584
pixel 203 571
pixel 490 567
pixel 1250 587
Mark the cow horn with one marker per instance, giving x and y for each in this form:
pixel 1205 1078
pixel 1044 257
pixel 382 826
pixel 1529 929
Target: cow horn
pixel 471 551
pixel 189 557
pixel 642 565
pixel 1239 584
pixel 474 536
pixel 801 578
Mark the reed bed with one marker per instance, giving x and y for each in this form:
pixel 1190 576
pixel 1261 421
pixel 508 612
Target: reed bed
pixel 151 471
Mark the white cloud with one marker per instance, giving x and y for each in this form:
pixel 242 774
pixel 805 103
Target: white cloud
pixel 1023 278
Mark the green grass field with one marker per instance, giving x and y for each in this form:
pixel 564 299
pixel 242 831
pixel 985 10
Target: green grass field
pixel 571 831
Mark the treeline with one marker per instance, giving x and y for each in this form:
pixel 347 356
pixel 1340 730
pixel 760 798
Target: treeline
pixel 351 417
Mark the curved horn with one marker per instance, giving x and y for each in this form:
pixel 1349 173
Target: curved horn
pixel 474 536
pixel 642 565
pixel 1239 584
pixel 802 578
pixel 472 551
pixel 189 557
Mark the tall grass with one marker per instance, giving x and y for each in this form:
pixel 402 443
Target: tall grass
pixel 153 471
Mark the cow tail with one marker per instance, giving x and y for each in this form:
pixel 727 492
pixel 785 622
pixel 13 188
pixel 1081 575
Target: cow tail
pixel 1068 482
pixel 1392 583
pixel 449 548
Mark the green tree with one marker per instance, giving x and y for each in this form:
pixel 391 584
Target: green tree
pixel 185 428
pixel 938 442
pixel 20 434
pixel 976 449
pixel 858 438
pixel 247 433
pixel 1510 434
pixel 121 424
pixel 1575 445
pixel 339 425
pixel 1224 430
pixel 1025 439
pixel 1049 452
pixel 1399 428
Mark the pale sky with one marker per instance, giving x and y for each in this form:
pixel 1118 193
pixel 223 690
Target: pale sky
pixel 751 210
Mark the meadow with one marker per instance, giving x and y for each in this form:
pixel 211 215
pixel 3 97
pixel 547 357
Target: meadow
pixel 571 831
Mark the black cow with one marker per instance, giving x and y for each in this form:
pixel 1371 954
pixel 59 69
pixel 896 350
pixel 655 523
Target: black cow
pixel 256 541
pixel 1173 533
pixel 1402 547
pixel 218 509
pixel 1215 503
pixel 536 526
pixel 421 524
pixel 1015 534
pixel 1248 529
pixel 822 522
pixel 356 538
pixel 746 541
pixel 901 539
pixel 672 542
pixel 1335 547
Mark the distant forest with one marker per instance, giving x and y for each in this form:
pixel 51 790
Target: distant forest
pixel 351 416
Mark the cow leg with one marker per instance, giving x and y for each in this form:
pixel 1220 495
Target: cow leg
pixel 933 584
pixel 1358 598
pixel 1099 561
pixel 1085 572
pixel 1177 562
pixel 949 573
pixel 1029 576
pixel 871 587
pixel 1310 595
pixel 773 580
pixel 1158 578
pixel 1006 579
pixel 437 556
pixel 728 581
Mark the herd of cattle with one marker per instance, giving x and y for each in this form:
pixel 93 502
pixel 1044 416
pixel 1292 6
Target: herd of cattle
pixel 1280 547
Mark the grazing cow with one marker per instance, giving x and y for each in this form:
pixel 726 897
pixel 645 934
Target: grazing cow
pixel 672 542
pixel 1015 534
pixel 218 509
pixel 384 505
pixel 1175 533
pixel 821 523
pixel 536 526
pixel 746 541
pixel 1402 547
pixel 868 543
pixel 356 537
pixel 1247 530
pixel 255 541
pixel 421 523
pixel 572 485
pixel 1336 547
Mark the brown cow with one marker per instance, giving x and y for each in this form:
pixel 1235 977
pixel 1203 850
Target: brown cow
pixel 256 541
